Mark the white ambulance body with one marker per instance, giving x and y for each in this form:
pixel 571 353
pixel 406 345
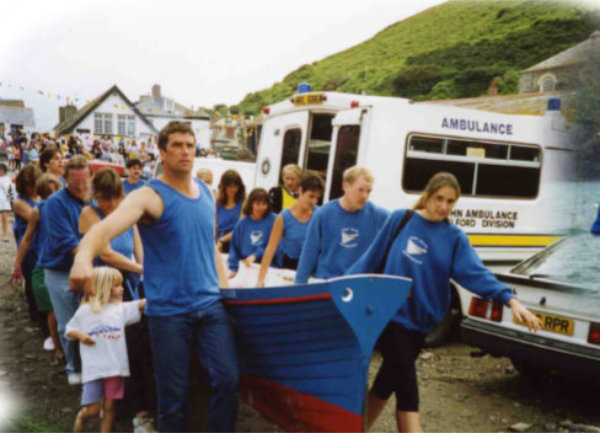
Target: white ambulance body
pixel 510 167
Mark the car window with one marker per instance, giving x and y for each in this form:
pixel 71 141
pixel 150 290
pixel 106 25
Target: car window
pixel 573 260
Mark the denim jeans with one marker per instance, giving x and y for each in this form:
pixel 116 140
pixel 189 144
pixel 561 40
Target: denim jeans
pixel 209 333
pixel 65 303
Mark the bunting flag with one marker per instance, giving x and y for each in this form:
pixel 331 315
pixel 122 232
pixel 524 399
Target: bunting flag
pixel 40 92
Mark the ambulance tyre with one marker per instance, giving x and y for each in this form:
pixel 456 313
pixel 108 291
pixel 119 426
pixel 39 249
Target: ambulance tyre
pixel 537 374
pixel 449 325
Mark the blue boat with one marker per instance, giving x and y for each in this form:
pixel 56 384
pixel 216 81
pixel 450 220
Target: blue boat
pixel 305 349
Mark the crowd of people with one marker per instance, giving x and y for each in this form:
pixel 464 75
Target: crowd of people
pixel 96 251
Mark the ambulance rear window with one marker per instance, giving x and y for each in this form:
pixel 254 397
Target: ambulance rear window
pixel 485 169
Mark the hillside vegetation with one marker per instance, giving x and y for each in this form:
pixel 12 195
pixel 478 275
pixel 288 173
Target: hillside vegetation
pixel 449 51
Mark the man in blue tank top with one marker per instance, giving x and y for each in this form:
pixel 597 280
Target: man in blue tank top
pixel 341 230
pixel 175 214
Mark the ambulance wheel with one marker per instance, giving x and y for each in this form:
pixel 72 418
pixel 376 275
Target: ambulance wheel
pixel 448 327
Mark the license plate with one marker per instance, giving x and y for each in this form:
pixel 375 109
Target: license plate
pixel 552 323
pixel 308 99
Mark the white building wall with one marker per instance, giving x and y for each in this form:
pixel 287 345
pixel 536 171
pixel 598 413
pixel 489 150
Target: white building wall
pixel 115 105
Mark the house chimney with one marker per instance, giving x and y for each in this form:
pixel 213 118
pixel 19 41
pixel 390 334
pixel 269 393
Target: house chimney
pixel 67 112
pixel 156 92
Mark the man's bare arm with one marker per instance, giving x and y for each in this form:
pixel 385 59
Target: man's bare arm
pixel 143 201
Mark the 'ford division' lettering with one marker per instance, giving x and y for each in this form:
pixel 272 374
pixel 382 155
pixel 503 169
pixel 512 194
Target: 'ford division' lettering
pixel 477 126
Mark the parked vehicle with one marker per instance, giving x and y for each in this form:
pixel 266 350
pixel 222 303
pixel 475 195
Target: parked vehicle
pixel 508 165
pixel 560 285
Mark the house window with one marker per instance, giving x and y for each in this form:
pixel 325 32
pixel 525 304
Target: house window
pixel 483 169
pixel 121 124
pixel 103 124
pixel 131 126
pixel 548 83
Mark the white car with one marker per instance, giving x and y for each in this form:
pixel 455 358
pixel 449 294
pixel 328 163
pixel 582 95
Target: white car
pixel 560 284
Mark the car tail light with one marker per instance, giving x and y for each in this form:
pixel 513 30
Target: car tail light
pixel 354 104
pixel 496 312
pixel 594 334
pixel 478 307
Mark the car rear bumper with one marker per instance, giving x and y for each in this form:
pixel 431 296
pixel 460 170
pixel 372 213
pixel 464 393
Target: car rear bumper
pixel 532 348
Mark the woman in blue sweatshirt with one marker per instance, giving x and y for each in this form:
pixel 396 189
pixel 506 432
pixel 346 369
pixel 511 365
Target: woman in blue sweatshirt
pixel 430 250
pixel 251 233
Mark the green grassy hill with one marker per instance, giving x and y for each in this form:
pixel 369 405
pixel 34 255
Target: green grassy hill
pixel 449 51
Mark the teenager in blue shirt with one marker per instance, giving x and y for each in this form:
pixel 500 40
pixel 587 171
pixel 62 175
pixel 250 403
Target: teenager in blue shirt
pixel 134 173
pixel 230 199
pixel 430 250
pixel 342 229
pixel 182 274
pixel 291 226
pixel 251 233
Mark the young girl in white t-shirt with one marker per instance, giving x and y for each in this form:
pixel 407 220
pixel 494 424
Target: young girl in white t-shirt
pixel 99 324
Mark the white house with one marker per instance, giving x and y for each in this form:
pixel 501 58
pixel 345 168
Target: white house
pixel 14 116
pixel 111 114
pixel 160 110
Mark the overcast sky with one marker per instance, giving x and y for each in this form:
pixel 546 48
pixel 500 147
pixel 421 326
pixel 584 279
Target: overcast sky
pixel 200 52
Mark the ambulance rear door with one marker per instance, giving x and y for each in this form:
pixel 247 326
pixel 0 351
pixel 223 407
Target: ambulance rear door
pixel 281 143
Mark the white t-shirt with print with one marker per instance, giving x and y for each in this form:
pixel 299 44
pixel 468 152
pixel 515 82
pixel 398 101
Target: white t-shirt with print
pixel 108 357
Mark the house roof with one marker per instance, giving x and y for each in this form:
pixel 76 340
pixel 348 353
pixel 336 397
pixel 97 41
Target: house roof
pixel 68 125
pixel 575 55
pixel 522 103
pixel 16 115
pixel 150 106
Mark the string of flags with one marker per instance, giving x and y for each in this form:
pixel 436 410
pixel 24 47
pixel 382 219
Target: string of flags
pixel 72 100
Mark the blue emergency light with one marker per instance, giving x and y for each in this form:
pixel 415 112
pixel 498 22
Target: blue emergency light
pixel 554 104
pixel 304 88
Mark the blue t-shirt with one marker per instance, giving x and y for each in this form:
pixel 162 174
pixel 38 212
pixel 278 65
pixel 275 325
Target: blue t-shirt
pixel 430 253
pixel 336 239
pixel 250 237
pixel 20 224
pixel 122 244
pixel 128 187
pixel 294 234
pixel 227 218
pixel 61 219
pixel 180 273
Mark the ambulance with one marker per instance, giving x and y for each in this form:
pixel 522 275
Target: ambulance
pixel 512 168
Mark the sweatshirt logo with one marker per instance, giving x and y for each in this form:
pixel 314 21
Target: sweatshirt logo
pixel 349 235
pixel 415 247
pixel 255 237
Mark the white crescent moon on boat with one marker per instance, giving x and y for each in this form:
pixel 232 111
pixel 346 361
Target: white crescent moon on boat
pixel 348 295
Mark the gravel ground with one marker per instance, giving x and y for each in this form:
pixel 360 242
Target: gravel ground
pixel 458 392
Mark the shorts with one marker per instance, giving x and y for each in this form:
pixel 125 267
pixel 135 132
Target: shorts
pixel 40 292
pixel 400 348
pixel 109 387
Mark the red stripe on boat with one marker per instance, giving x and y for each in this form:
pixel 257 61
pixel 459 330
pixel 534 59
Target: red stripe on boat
pixel 280 300
pixel 294 411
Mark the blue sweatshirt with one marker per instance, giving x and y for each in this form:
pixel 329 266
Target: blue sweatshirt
pixel 20 224
pixel 128 187
pixel 250 237
pixel 430 253
pixel 227 218
pixel 336 239
pixel 41 233
pixel 61 219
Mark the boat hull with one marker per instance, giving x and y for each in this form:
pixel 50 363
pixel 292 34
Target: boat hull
pixel 305 349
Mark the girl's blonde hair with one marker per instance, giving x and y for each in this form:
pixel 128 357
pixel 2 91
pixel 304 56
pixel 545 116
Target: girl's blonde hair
pixel 105 278
pixel 436 182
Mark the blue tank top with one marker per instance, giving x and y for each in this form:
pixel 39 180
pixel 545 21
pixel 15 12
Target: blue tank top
pixel 294 233
pixel 122 244
pixel 20 225
pixel 227 218
pixel 180 275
